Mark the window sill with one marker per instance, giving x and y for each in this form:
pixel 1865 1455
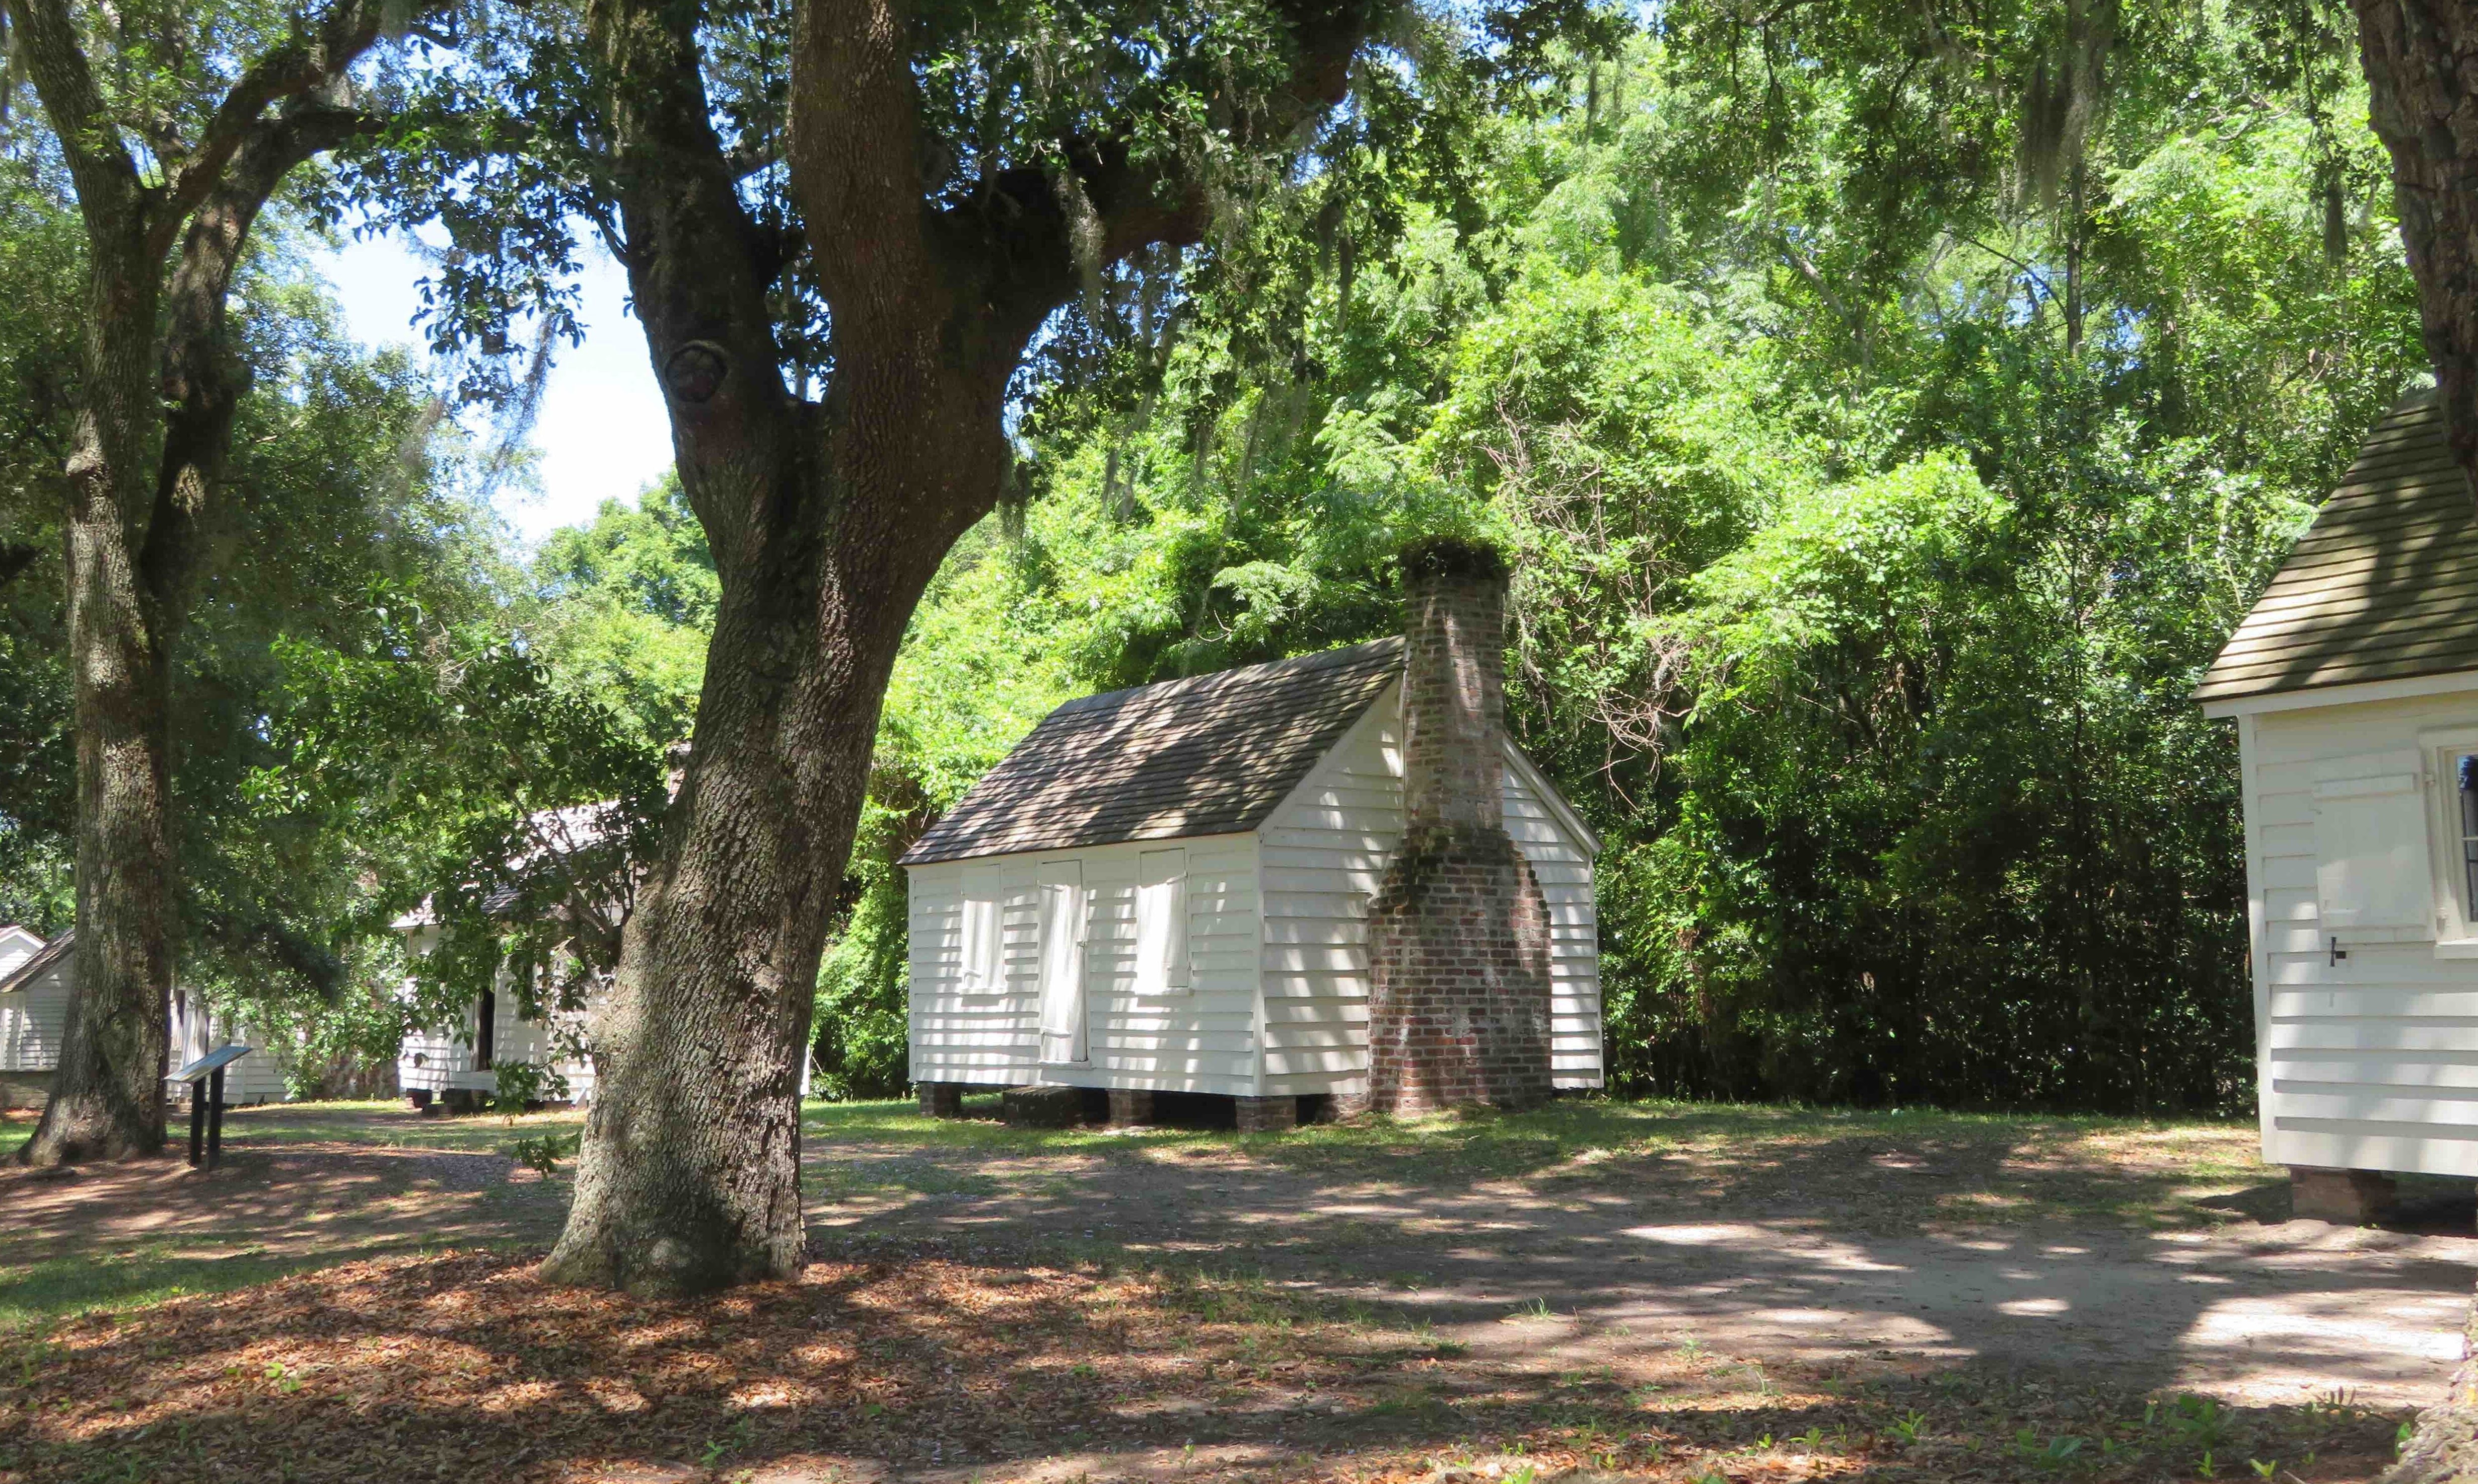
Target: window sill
pixel 2457 948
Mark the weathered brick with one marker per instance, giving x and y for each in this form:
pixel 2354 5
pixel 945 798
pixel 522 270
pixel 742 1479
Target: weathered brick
pixel 1458 932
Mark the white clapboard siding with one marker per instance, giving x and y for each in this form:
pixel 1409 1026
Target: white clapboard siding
pixel 1563 865
pixel 32 1021
pixel 442 1057
pixel 1198 1039
pixel 1326 850
pixel 2367 1061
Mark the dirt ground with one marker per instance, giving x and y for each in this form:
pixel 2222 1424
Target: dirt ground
pixel 1625 1289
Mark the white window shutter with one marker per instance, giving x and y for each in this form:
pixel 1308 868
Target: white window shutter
pixel 984 966
pixel 1161 923
pixel 2371 866
pixel 1063 913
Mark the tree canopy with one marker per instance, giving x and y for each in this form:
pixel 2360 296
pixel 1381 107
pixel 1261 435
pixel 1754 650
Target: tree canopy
pixel 1889 409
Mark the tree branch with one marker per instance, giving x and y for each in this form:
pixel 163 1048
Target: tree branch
pixel 202 379
pixel 307 63
pixel 691 272
pixel 110 193
pixel 855 164
pixel 1019 223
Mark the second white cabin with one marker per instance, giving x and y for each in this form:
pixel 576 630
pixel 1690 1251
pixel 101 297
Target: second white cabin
pixel 1167 890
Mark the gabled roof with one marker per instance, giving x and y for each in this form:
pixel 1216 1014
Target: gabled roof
pixel 43 958
pixel 1209 755
pixel 2383 586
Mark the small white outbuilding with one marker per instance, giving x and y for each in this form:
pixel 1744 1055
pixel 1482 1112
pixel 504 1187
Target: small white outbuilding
pixel 33 1007
pixel 2354 687
pixel 1167 890
pixel 457 1064
pixel 33 1017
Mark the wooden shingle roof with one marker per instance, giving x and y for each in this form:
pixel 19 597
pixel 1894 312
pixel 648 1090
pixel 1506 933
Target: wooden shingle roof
pixel 1208 755
pixel 32 968
pixel 2383 586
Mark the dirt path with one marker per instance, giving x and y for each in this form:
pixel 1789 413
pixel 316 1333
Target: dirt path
pixel 1820 1251
pixel 1670 1295
pixel 1594 1268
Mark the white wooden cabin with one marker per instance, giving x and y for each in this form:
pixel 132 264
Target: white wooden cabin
pixel 33 1017
pixel 1165 890
pixel 2354 687
pixel 33 1008
pixel 459 1062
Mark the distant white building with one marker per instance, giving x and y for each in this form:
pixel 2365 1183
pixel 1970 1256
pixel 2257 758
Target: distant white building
pixel 458 1064
pixel 33 1007
pixel 34 1016
pixel 1177 888
pixel 2354 687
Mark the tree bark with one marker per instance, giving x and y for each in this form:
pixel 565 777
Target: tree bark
pixel 2421 63
pixel 159 381
pixel 107 1093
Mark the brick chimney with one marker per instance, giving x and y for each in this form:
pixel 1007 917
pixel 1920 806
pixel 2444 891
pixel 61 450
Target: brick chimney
pixel 1458 932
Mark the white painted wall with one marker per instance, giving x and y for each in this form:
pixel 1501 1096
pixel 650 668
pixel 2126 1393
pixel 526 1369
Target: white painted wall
pixel 32 1019
pixel 1326 851
pixel 2369 1061
pixel 437 1058
pixel 1325 848
pixel 1199 1039
pixel 1562 858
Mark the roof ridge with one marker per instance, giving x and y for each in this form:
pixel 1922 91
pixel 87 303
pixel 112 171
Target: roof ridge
pixel 1237 674
pixel 36 962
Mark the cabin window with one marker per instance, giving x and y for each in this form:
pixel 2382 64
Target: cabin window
pixel 1161 923
pixel 983 970
pixel 2451 771
pixel 2465 812
pixel 486 1024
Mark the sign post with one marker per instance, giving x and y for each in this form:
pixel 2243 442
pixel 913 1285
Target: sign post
pixel 206 1079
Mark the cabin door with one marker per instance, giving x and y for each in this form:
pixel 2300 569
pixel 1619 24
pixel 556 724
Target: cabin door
pixel 1064 908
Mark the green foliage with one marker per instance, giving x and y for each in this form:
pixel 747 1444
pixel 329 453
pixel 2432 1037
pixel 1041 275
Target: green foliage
pixel 504 813
pixel 1871 532
pixel 518 1085
pixel 341 475
pixel 623 609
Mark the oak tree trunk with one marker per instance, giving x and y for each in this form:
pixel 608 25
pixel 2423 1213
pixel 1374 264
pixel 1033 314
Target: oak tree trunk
pixel 2421 63
pixel 107 1093
pixel 689 1176
pixel 161 380
pixel 827 523
pixel 826 520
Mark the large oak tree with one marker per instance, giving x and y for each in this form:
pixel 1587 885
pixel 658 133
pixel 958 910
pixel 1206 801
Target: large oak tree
pixel 176 125
pixel 845 223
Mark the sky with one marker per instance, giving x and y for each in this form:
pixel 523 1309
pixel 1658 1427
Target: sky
pixel 602 432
